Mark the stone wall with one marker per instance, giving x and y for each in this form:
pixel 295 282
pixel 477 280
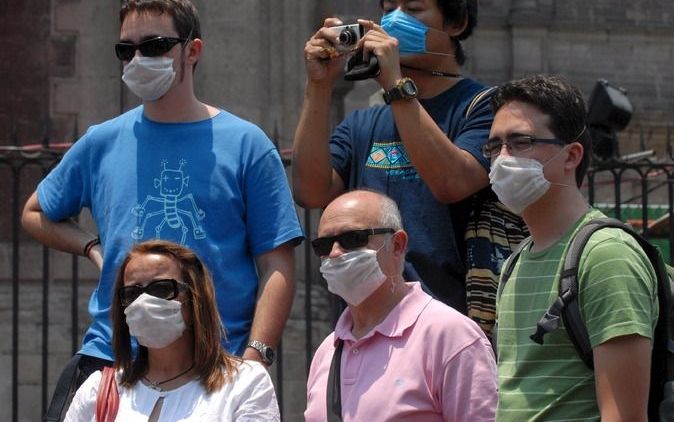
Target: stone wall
pixel 59 75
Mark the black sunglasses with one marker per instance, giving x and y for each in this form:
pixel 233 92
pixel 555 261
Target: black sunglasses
pixel 166 288
pixel 149 48
pixel 348 240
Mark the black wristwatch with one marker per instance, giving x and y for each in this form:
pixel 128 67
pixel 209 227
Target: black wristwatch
pixel 405 89
pixel 266 352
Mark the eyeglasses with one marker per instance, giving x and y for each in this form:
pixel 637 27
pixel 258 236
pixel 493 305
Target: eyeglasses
pixel 516 143
pixel 166 288
pixel 149 48
pixel 348 240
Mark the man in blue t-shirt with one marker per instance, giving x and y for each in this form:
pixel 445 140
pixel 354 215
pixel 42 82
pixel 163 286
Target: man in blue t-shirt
pixel 423 148
pixel 176 169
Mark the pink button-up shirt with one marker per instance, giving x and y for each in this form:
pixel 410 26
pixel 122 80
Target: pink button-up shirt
pixel 423 362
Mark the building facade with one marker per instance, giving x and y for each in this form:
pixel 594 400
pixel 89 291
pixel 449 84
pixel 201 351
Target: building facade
pixel 59 75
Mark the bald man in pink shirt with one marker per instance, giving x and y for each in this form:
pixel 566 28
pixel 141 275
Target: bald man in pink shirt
pixel 404 355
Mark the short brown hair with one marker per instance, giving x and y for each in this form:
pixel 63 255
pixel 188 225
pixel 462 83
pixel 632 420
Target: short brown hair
pixel 184 14
pixel 210 358
pixel 558 99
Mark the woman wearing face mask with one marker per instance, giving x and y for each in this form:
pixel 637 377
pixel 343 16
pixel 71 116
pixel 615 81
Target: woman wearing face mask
pixel 164 297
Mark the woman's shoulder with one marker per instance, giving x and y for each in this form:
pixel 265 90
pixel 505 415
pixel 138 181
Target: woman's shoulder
pixel 247 369
pixel 83 404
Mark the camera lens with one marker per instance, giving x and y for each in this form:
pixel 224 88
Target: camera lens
pixel 348 37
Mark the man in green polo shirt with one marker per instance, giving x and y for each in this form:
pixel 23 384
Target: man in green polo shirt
pixel 539 151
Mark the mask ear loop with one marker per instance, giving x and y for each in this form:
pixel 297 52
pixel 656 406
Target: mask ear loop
pixel 396 279
pixel 549 160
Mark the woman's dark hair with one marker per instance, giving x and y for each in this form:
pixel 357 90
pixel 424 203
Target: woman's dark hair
pixel 563 104
pixel 214 365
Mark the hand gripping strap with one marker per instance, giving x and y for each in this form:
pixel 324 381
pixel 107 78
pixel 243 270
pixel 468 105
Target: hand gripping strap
pixel 107 400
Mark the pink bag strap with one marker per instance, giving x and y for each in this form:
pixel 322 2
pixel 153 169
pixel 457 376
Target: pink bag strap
pixel 107 400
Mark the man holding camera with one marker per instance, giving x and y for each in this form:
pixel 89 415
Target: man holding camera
pixel 422 148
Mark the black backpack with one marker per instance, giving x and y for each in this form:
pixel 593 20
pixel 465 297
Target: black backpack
pixel 661 393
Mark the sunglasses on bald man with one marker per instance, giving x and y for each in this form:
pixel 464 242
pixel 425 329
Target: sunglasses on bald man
pixel 348 240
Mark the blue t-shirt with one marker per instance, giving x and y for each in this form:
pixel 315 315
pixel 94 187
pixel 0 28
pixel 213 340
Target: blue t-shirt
pixel 216 186
pixel 367 152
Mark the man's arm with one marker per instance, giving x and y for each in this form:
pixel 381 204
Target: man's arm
pixel 451 173
pixel 66 235
pixel 622 375
pixel 315 183
pixel 276 270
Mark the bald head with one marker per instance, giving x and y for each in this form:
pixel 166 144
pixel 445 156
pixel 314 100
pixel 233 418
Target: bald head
pixel 361 209
pixel 358 210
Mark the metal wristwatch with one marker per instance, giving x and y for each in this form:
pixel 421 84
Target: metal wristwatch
pixel 266 351
pixel 405 89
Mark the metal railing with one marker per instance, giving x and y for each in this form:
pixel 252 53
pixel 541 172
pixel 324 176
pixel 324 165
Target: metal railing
pixel 26 165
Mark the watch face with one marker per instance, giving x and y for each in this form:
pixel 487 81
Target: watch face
pixel 269 354
pixel 409 89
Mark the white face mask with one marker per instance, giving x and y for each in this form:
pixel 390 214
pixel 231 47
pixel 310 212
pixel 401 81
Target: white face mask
pixel 517 181
pixel 149 77
pixel 354 275
pixel 155 322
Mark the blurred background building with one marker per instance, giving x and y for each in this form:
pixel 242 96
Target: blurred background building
pixel 59 75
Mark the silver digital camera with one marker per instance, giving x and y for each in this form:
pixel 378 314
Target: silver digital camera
pixel 348 35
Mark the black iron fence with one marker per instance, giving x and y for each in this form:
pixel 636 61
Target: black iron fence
pixel 639 189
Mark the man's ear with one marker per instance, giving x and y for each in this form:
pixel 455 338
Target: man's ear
pixel 574 157
pixel 193 51
pixel 399 242
pixel 455 29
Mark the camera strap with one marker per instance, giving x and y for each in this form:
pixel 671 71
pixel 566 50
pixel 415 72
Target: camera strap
pixel 433 72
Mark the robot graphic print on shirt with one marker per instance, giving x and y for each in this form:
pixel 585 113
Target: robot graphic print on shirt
pixel 169 208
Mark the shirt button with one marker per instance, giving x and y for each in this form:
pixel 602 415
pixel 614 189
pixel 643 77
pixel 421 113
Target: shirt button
pixel 355 351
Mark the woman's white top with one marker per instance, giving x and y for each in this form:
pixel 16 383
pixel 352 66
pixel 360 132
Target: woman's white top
pixel 248 397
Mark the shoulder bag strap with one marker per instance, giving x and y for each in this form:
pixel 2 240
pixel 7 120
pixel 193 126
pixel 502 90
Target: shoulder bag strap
pixel 506 271
pixel 334 396
pixel 107 399
pixel 65 388
pixel 477 99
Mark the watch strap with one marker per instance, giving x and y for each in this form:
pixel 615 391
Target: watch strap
pixel 397 92
pixel 262 348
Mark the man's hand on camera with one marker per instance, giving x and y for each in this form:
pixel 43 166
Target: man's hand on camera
pixel 376 41
pixel 323 61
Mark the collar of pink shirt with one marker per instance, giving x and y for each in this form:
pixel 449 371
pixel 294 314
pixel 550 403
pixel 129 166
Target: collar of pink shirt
pixel 401 317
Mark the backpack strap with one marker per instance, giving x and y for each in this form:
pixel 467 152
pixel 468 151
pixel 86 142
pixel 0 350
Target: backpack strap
pixel 567 305
pixel 478 98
